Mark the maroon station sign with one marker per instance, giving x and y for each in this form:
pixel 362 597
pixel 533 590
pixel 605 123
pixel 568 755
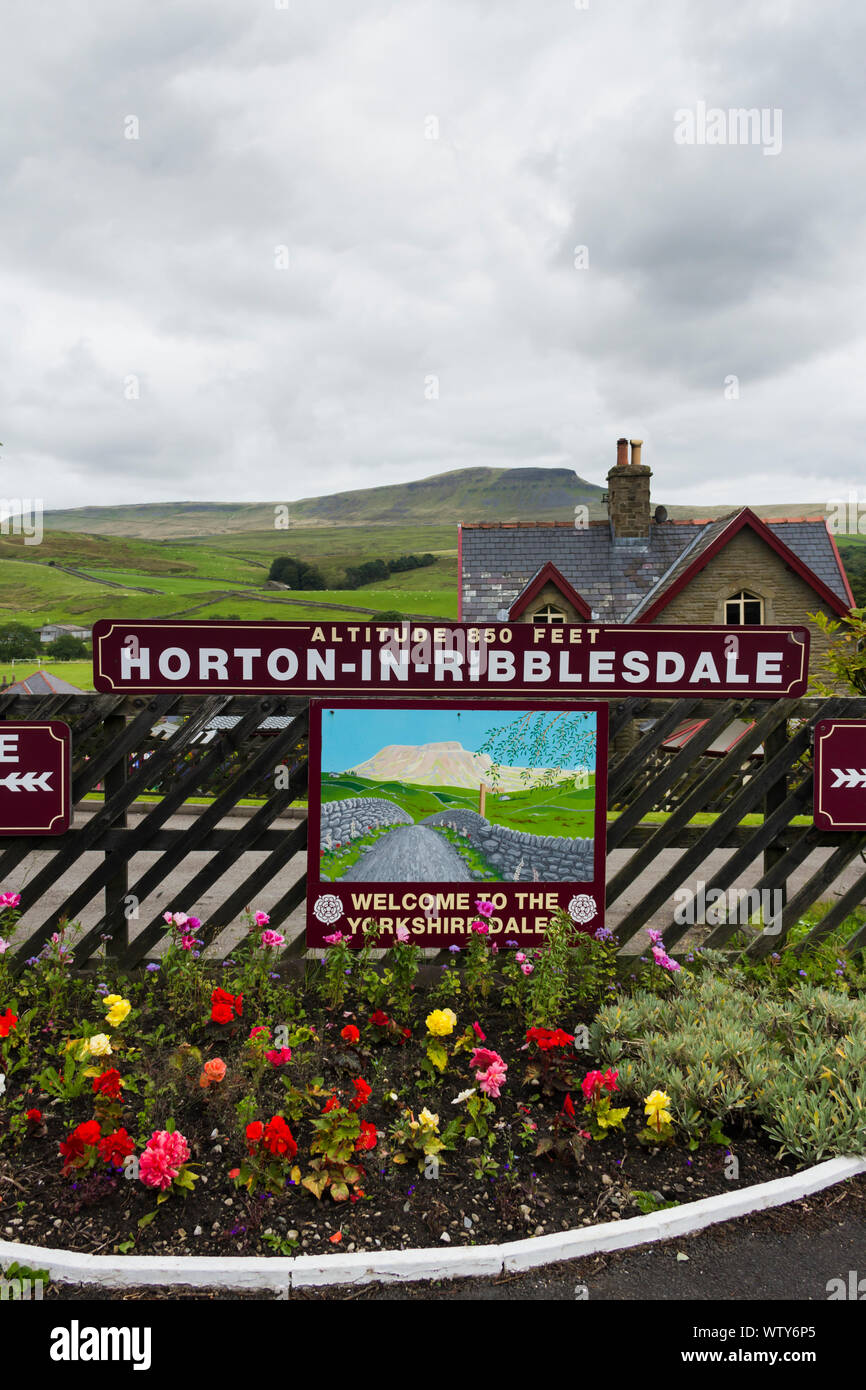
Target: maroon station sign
pixel 35 763
pixel 840 774
pixel 449 658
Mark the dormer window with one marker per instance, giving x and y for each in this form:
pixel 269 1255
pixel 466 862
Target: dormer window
pixel 744 609
pixel 548 614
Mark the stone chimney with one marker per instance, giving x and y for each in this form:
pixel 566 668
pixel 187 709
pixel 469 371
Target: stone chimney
pixel 628 493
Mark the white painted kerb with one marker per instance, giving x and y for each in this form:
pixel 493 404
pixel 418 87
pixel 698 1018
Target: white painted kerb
pixel 391 1266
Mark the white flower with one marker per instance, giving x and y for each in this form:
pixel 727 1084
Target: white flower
pixel 464 1095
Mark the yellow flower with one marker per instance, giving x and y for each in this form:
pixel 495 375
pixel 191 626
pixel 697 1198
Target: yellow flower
pixel 655 1108
pixel 441 1022
pixel 99 1045
pixel 119 1010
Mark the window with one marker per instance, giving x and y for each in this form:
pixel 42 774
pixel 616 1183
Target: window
pixel 548 614
pixel 744 609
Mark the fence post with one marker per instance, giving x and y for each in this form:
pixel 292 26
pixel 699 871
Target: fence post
pixel 775 743
pixel 117 887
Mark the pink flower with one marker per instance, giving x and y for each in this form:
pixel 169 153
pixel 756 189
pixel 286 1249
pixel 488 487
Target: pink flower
pixel 262 919
pixel 162 1159
pixel 484 1057
pixel 272 939
pixel 527 968
pixel 10 899
pixel 334 939
pixel 493 1079
pixel 194 922
pixel 480 927
pixel 661 957
pixel 476 1028
pixel 279 1059
pixel 4 946
pixel 168 917
pixel 187 943
pixel 519 957
pixel 180 919
pixel 402 934
pixel 485 907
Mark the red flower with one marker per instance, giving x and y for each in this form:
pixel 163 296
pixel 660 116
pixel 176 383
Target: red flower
pixel 549 1038
pixel 114 1148
pixel 254 1135
pixel 72 1149
pixel 7 1023
pixel 332 1104
pixel 278 1138
pixel 568 1107
pixel 108 1084
pixel 380 1019
pixel 34 1117
pixel 482 1037
pixel 225 1006
pixel 368 1138
pixel 363 1092
pixel 350 1033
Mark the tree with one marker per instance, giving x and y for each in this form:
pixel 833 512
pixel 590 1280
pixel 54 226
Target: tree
pixel 298 574
pixel 18 642
pixel 68 648
pixel 845 660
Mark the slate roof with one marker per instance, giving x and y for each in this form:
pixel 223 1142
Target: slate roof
pixel 43 683
pixel 617 577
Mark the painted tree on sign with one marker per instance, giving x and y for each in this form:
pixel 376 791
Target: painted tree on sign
pixel 554 740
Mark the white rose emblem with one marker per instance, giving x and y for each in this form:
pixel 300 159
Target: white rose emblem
pixel 328 909
pixel 582 907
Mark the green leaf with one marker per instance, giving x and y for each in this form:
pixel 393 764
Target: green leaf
pixel 438 1056
pixel 146 1219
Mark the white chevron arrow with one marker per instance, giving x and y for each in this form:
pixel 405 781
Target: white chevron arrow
pixel 26 781
pixel 849 777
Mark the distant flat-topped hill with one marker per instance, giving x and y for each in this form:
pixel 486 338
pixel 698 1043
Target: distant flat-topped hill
pixel 464 494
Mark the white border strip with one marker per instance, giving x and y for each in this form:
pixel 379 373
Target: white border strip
pixel 402 1266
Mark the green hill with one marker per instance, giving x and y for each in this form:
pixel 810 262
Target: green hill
pixel 466 494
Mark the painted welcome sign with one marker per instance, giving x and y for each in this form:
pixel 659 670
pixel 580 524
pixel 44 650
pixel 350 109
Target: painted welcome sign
pixel 418 813
pixel 515 661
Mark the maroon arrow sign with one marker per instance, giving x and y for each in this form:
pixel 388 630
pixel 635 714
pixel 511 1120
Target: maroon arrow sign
pixel 840 774
pixel 35 761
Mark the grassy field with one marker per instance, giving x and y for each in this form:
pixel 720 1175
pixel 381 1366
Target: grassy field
pixel 78 673
pixel 221 578
pixel 558 810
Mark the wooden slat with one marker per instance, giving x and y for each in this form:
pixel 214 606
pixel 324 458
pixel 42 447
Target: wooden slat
pixel 221 806
pixel 810 893
pixel 668 775
pixel 717 776
pixel 744 803
pixel 111 808
pixel 648 743
pixel 243 840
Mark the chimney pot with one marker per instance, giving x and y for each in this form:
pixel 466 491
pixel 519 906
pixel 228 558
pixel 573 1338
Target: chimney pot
pixel 635 450
pixel 622 453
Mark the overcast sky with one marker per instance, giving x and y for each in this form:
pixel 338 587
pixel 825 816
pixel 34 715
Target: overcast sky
pixel 155 347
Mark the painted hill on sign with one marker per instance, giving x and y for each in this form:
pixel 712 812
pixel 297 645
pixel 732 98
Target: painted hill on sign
pixel 446 764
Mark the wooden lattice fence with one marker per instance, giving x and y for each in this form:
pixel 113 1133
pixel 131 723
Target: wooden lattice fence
pixel 225 750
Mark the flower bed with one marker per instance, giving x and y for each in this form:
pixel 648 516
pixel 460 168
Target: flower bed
pixel 515 1094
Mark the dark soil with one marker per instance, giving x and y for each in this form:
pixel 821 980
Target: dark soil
pixel 400 1209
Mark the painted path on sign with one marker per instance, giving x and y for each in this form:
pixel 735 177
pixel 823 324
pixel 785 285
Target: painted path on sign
pixel 409 854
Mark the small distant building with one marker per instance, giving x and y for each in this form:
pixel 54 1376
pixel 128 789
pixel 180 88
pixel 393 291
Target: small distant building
pixel 51 631
pixel 41 683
